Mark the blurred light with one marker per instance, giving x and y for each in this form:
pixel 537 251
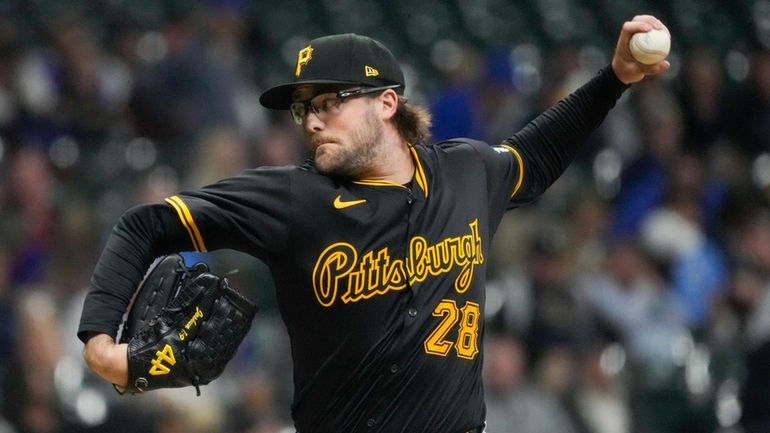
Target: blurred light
pixel 526 60
pixel 447 55
pixel 494 301
pixel 697 374
pixel 682 348
pixel 527 53
pixel 151 47
pixel 36 89
pixel 140 153
pixel 728 407
pixel 613 359
pixel 117 85
pixel 761 15
pixel 607 167
pixel 68 375
pixel 91 407
pixel 666 235
pixel 40 305
pixel 737 65
pixel 761 171
pixel 526 79
pixel 64 152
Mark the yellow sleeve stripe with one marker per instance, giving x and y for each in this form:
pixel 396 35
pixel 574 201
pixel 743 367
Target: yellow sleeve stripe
pixel 188 222
pixel 419 174
pixel 521 168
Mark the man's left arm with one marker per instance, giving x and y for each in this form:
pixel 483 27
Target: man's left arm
pixel 546 146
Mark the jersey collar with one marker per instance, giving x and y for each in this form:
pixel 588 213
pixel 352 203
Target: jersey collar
pixel 419 172
pixel 419 176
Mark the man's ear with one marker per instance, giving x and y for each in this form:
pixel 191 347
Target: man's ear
pixel 389 103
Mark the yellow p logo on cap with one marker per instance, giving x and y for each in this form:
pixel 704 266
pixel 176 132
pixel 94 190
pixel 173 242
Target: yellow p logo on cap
pixel 303 58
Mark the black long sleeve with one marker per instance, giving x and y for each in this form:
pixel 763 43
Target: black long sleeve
pixel 549 143
pixel 142 234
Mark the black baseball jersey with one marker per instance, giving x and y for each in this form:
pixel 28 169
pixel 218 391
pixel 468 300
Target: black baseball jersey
pixel 380 285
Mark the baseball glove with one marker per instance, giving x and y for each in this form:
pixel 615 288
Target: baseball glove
pixel 183 328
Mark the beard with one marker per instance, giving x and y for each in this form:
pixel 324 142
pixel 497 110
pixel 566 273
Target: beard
pixel 353 157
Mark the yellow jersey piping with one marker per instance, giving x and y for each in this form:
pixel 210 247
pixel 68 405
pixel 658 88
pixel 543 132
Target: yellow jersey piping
pixel 419 173
pixel 188 222
pixel 521 168
pixel 377 183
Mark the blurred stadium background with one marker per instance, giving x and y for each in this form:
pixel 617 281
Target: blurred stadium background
pixel 634 297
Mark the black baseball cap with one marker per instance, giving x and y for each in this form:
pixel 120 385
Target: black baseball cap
pixel 339 60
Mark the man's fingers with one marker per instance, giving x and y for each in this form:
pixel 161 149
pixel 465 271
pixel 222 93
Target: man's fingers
pixel 651 20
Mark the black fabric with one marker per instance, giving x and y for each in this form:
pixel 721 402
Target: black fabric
pixel 348 59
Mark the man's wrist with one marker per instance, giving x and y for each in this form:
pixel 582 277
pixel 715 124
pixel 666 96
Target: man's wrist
pixel 107 359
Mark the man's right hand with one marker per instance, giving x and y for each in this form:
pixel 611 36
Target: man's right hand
pixel 107 359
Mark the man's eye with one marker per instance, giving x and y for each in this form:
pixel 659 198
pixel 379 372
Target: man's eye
pixel 328 104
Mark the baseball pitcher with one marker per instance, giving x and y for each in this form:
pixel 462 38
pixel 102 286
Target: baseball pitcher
pixel 378 246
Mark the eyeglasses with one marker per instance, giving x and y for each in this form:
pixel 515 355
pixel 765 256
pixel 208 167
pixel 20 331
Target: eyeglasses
pixel 300 110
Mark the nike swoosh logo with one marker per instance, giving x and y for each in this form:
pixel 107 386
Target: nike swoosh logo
pixel 339 204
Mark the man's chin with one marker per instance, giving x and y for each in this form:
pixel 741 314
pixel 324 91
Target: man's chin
pixel 324 166
pixel 323 154
pixel 329 168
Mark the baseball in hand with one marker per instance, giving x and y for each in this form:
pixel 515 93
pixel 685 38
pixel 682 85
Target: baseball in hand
pixel 650 47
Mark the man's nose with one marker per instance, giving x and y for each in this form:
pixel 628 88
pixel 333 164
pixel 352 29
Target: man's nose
pixel 312 123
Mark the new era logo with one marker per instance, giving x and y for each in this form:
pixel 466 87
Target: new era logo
pixel 370 71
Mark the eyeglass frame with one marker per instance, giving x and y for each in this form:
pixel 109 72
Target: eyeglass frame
pixel 308 106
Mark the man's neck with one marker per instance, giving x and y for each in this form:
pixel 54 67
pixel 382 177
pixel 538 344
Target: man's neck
pixel 396 163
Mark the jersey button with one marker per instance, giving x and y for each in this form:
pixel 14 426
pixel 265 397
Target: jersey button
pixel 370 422
pixel 394 368
pixel 409 199
pixel 412 312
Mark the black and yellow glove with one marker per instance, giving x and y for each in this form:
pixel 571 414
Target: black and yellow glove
pixel 183 328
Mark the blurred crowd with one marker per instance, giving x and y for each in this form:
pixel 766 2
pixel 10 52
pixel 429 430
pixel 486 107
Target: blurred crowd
pixel 633 297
